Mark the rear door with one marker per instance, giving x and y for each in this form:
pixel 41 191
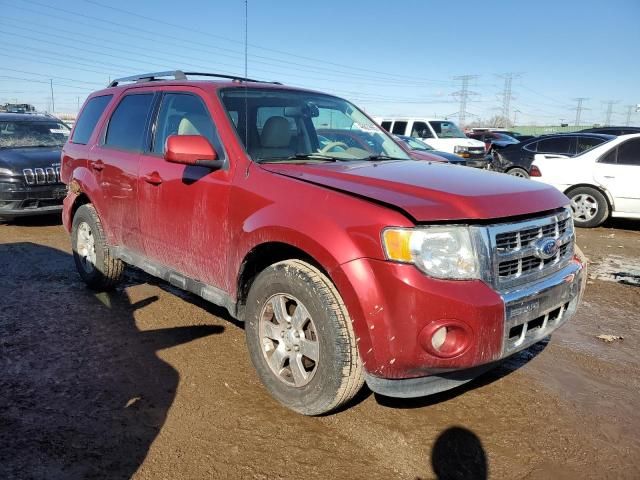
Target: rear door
pixel 114 159
pixel 183 209
pixel 619 172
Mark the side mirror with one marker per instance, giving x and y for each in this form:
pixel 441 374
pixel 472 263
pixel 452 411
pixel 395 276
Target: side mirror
pixel 191 150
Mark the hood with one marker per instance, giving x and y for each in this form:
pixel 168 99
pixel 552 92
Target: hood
pixel 450 157
pixel 425 156
pixel 17 159
pixel 462 141
pixel 431 191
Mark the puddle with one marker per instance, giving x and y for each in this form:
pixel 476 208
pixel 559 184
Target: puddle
pixel 617 268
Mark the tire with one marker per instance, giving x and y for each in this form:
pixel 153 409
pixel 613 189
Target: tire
pixel 336 374
pixel 518 172
pixel 98 269
pixel 589 206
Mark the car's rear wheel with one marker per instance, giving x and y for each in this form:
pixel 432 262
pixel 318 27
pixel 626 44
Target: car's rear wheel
pixel 300 338
pixel 96 266
pixel 518 172
pixel 589 207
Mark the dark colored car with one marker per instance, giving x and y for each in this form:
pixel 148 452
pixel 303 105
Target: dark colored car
pixel 612 130
pixel 493 140
pixel 516 159
pixel 30 146
pixel 415 145
pixel 346 266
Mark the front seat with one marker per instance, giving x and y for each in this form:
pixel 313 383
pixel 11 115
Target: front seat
pixel 196 125
pixel 274 140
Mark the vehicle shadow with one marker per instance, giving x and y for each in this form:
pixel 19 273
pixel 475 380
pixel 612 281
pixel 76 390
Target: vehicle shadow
pixel 84 393
pixel 49 220
pixel 503 369
pixel 629 224
pixel 458 454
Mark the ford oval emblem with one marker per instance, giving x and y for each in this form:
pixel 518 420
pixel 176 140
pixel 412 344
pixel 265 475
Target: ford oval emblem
pixel 546 248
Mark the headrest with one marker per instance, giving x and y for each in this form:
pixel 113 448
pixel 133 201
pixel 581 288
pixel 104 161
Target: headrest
pixel 275 133
pixel 196 125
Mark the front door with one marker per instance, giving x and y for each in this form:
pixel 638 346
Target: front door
pixel 183 209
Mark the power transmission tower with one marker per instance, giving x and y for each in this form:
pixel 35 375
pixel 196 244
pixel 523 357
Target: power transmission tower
pixel 579 109
pixel 610 105
pixel 464 93
pixel 630 109
pixel 507 95
pixel 53 103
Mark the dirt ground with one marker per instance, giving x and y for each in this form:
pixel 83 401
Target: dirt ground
pixel 154 383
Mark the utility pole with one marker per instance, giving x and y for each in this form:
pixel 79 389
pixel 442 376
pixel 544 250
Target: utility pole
pixel 464 95
pixel 630 109
pixel 579 109
pixel 78 102
pixel 53 103
pixel 610 105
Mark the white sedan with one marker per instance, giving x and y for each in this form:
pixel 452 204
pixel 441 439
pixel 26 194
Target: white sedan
pixel 601 182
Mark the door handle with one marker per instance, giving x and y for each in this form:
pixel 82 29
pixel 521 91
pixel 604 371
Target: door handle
pixel 98 165
pixel 153 178
pixel 609 176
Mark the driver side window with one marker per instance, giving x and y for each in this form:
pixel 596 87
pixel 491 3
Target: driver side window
pixel 184 114
pixel 421 130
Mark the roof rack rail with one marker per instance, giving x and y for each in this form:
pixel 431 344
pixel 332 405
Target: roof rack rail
pixel 179 75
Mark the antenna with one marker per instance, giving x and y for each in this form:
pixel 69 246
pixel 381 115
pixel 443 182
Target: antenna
pixel 246 34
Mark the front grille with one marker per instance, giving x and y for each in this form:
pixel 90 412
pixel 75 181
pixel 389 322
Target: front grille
pixel 476 152
pixel 41 176
pixel 517 254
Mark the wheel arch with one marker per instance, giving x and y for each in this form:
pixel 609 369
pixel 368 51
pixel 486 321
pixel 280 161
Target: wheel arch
pixel 262 256
pixel 605 193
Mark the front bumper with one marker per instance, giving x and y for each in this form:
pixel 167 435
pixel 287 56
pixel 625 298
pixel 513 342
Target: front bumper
pixel 397 303
pixel 18 200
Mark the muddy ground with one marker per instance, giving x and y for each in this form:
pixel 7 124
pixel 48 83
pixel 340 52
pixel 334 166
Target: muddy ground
pixel 156 384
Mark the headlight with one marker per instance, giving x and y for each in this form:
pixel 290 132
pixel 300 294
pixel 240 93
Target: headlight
pixel 6 172
pixel 460 149
pixel 440 252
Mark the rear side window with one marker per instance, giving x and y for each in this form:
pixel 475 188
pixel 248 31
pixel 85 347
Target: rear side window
pixel 127 125
pixel 421 130
pixel 559 145
pixel 587 143
pixel 386 125
pixel 629 152
pixel 399 128
pixel 532 147
pixel 89 118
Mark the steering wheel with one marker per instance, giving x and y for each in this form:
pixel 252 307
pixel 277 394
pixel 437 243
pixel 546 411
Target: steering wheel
pixel 331 145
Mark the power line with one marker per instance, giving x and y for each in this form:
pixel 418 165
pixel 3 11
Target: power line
pixel 464 93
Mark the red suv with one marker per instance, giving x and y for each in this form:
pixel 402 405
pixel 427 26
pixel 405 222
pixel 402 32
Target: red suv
pixel 346 264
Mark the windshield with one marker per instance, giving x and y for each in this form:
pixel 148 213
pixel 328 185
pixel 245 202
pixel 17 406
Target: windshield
pixel 415 144
pixel 506 138
pixel 50 133
pixel 446 130
pixel 297 126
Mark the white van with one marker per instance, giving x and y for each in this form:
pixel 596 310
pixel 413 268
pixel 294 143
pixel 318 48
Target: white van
pixel 442 135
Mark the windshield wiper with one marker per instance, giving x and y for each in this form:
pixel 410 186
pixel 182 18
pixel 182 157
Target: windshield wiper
pixel 375 158
pixel 302 156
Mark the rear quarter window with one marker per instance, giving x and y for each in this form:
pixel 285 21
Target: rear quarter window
pixel 88 119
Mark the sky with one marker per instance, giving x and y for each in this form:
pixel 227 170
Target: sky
pixel 390 58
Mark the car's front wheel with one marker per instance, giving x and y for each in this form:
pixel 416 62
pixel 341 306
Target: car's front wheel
pixel 301 340
pixel 589 207
pixel 94 263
